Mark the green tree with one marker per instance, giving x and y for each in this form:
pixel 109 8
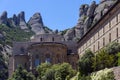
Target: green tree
pixel 50 75
pixel 113 48
pixel 103 60
pixel 22 74
pixel 42 69
pixel 64 71
pixel 118 61
pixel 85 63
pixel 3 68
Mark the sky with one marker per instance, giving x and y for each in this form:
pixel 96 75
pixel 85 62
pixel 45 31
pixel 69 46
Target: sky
pixel 56 14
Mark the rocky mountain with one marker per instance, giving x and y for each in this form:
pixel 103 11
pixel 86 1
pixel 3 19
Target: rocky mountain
pixel 88 16
pixel 35 23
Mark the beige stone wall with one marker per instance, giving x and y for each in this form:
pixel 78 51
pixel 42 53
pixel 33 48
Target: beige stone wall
pixel 22 60
pixel 56 52
pixel 47 38
pixel 103 33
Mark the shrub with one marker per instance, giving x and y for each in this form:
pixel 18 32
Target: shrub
pixel 62 71
pixel 103 60
pixel 113 48
pixel 22 74
pixel 106 74
pixel 118 61
pixel 85 63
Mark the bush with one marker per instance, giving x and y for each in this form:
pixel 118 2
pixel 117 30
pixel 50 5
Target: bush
pixel 85 63
pixel 118 61
pixel 22 74
pixel 113 48
pixel 103 60
pixel 106 74
pixel 42 69
pixel 62 71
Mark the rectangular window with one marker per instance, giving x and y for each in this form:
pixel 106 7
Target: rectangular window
pixel 109 37
pixel 109 24
pixel 117 19
pixel 103 41
pixel 41 39
pixel 117 33
pixel 52 38
pixel 98 45
pixel 98 34
pixel 94 38
pixel 103 30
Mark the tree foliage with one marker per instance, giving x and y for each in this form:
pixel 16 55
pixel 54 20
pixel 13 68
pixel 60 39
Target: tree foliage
pixel 85 63
pixel 15 34
pixel 103 60
pixel 113 48
pixel 55 72
pixel 22 74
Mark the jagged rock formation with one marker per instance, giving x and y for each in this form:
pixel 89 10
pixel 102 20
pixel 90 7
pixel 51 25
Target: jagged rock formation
pixel 89 15
pixel 35 23
pixel 3 18
pixel 21 21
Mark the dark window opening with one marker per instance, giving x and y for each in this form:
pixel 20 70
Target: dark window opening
pixel 41 39
pixel 22 49
pixel 98 45
pixel 69 51
pixel 53 39
pixel 117 32
pixel 37 60
pixel 48 59
pixel 103 41
pixel 109 37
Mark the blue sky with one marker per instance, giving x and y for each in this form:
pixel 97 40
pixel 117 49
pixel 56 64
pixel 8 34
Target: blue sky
pixel 56 14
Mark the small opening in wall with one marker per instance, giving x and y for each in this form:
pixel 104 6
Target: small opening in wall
pixel 41 39
pixel 53 39
pixel 116 32
pixel 109 37
pixel 103 41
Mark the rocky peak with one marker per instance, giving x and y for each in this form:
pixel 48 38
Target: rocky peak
pixel 21 21
pixel 3 18
pixel 36 23
pixel 21 16
pixel 15 20
pixel 91 9
pixel 88 16
pixel 83 9
pixel 36 18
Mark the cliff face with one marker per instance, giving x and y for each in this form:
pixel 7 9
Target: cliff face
pixel 35 23
pixel 88 16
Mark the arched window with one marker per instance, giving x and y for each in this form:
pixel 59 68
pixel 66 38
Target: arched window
pixel 58 58
pixel 37 61
pixel 48 59
pixel 22 50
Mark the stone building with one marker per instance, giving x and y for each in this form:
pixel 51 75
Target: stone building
pixel 105 31
pixel 49 48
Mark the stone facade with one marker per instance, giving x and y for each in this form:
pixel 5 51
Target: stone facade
pixel 50 48
pixel 106 30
